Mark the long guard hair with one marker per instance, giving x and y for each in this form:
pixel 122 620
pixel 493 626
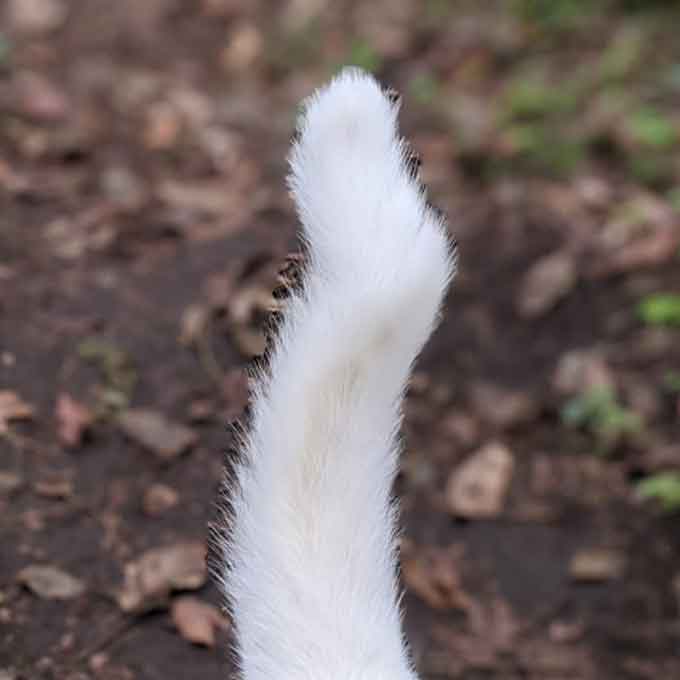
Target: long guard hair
pixel 309 564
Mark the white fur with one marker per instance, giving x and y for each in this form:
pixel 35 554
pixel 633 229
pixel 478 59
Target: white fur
pixel 310 569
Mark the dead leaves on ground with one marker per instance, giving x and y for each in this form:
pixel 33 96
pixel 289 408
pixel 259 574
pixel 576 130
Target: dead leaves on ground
pixel 239 302
pixel 150 579
pixel 13 407
pixel 433 573
pixel 548 280
pixel 595 565
pixel 158 499
pixel 477 488
pixel 50 583
pixel 197 621
pixel 154 432
pixel 73 420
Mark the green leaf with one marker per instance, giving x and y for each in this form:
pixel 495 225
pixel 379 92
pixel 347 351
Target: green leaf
pixel 599 412
pixel 671 381
pixel 662 309
pixel 653 129
pixel 664 487
pixel 362 54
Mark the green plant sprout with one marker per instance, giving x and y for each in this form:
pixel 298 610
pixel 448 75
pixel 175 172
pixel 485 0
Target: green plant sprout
pixel 660 309
pixel 664 487
pixel 599 412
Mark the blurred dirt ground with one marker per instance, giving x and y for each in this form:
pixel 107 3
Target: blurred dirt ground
pixel 143 219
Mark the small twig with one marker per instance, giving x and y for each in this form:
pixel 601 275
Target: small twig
pixel 124 626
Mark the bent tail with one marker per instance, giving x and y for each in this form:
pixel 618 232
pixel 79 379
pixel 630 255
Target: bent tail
pixel 310 559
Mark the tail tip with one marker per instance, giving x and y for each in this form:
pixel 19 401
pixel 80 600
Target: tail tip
pixel 351 110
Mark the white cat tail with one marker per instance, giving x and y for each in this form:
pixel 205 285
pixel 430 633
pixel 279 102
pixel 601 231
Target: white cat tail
pixel 310 563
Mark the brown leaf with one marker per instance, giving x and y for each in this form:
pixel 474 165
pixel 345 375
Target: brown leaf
pixel 433 573
pixel 50 583
pixel 461 426
pixel 247 306
pixel 595 565
pixel 9 482
pixel 163 126
pixel 650 251
pixel 199 197
pixel 156 433
pixel 56 487
pixel 194 321
pixel 149 580
pixel 248 300
pixel 36 16
pixel 13 407
pixel 504 408
pixel 73 418
pixel 197 621
pixel 546 282
pixel 580 371
pixel 477 488
pixel 251 342
pixel 41 100
pixel 159 498
pixel 244 47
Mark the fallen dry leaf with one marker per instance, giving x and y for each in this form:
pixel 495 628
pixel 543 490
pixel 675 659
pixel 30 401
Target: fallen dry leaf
pixel 149 580
pixel 159 498
pixel 13 407
pixel 57 487
pixel 650 251
pixel 208 198
pixel 546 282
pixel 9 481
pixel 247 301
pixel 50 583
pixel 504 408
pixel 566 632
pixel 35 16
pixel 433 573
pixel 197 621
pixel 243 49
pixel 251 342
pixel 163 127
pixel 194 321
pixel 596 564
pixel 156 433
pixel 73 419
pixel 477 488
pixel 40 99
pixel 461 426
pixel 580 371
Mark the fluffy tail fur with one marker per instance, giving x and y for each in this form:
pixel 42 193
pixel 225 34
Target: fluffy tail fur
pixel 310 558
